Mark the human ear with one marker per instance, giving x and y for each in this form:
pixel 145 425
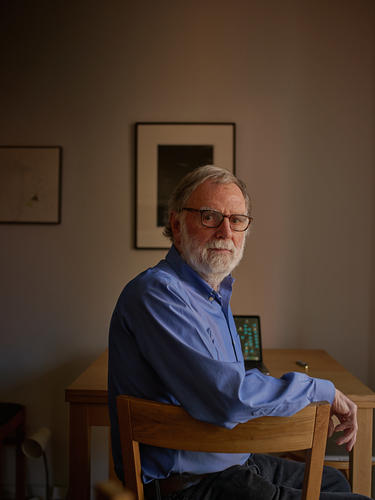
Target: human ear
pixel 176 228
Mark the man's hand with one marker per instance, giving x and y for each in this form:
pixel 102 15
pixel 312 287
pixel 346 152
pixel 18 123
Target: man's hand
pixel 346 412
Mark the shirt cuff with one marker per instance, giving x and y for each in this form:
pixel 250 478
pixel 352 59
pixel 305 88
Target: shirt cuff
pixel 324 390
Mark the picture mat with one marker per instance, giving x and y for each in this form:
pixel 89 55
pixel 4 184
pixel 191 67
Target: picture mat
pixel 149 136
pixel 29 185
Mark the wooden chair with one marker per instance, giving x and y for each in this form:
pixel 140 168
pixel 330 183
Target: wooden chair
pixel 168 426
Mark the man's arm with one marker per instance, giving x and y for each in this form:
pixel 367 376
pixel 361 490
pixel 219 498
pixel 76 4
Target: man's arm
pixel 156 326
pixel 346 412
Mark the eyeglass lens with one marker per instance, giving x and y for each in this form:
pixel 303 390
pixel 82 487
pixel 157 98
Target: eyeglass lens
pixel 211 218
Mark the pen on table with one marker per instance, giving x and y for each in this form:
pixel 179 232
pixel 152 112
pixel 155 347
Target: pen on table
pixel 303 364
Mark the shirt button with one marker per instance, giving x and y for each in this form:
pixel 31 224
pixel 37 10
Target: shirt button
pixel 210 298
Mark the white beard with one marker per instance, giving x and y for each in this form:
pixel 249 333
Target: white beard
pixel 212 266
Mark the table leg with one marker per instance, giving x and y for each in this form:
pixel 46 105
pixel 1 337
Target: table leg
pixel 111 466
pixel 79 452
pixel 360 468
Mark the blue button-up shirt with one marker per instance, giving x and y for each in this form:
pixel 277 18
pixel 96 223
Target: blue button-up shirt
pixel 173 339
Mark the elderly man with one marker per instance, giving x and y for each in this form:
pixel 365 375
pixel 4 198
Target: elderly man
pixel 173 339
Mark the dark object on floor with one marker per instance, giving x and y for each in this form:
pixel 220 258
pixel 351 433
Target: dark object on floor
pixel 12 432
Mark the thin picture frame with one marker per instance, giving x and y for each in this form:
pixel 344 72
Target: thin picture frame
pixel 30 184
pixel 164 153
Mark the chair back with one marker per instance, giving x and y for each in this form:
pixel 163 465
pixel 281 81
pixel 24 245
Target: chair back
pixel 169 426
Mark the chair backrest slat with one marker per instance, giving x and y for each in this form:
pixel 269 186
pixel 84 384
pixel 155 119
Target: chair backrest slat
pixel 169 426
pixel 166 426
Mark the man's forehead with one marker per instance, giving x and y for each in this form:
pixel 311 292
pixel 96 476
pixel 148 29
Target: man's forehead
pixel 209 191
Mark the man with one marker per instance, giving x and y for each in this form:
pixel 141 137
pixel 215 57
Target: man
pixel 173 339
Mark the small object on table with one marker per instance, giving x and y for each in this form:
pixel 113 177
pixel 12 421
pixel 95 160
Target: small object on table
pixel 304 365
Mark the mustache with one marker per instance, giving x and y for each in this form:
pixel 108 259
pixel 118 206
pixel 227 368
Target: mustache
pixel 221 244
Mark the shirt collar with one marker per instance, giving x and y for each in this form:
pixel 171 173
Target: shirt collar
pixel 187 273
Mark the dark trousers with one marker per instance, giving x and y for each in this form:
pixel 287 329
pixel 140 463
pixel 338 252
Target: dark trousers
pixel 265 477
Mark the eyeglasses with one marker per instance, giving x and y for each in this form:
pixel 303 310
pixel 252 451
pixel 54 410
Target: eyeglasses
pixel 212 218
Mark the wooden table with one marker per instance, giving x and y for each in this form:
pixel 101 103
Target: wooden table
pixel 87 396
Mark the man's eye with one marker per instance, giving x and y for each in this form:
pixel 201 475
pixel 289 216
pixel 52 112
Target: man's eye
pixel 209 216
pixel 238 220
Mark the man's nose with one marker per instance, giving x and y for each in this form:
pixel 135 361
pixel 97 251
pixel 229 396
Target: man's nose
pixel 224 230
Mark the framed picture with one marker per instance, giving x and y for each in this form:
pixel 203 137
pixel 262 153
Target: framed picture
pixel 165 152
pixel 30 185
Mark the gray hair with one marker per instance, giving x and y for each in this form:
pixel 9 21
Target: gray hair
pixel 192 180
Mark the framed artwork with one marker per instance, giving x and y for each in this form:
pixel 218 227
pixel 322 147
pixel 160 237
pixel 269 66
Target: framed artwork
pixel 165 152
pixel 30 184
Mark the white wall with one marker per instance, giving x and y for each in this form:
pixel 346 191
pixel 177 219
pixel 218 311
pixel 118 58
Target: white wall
pixel 298 80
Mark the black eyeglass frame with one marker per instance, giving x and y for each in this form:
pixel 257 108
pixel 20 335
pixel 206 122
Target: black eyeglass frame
pixel 202 210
